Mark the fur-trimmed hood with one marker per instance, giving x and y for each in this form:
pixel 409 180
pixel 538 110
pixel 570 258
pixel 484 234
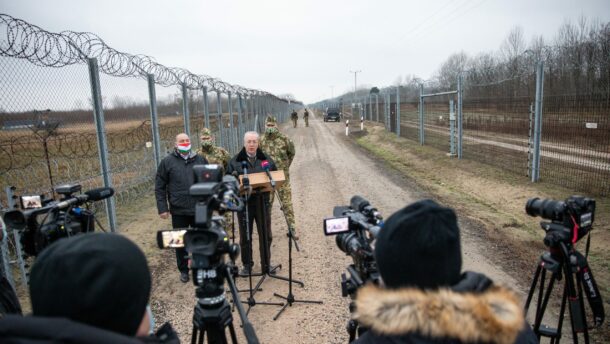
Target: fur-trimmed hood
pixel 491 316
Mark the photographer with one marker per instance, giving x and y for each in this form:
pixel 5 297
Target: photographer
pixel 172 183
pixel 91 288
pixel 426 298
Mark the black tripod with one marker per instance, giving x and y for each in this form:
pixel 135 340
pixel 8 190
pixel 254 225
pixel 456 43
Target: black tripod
pixel 563 261
pixel 290 297
pixel 212 316
pixel 251 302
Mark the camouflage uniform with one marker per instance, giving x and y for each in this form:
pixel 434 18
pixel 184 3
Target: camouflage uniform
pixel 219 156
pixel 294 117
pixel 281 149
pixel 306 118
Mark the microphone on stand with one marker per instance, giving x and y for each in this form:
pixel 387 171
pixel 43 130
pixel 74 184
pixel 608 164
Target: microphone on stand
pixel 245 179
pixel 265 165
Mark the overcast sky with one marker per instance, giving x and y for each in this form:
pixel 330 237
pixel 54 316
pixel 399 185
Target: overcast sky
pixel 305 47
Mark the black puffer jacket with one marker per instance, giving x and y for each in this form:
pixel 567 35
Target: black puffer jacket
pixel 473 311
pixel 16 329
pixel 174 178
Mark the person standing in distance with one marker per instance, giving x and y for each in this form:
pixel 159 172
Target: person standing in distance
pixel 281 149
pixel 172 184
pixel 294 117
pixel 306 117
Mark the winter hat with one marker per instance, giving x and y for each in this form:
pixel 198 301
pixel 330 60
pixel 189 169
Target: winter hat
pixel 99 279
pixel 419 246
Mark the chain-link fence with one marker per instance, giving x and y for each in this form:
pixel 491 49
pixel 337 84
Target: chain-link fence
pixel 537 116
pixel 74 110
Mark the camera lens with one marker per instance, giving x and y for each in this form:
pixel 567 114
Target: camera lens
pixel 546 208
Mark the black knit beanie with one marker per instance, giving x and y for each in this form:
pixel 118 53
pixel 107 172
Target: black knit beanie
pixel 419 246
pixel 100 279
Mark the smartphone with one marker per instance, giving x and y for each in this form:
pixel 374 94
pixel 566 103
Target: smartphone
pixel 336 225
pixel 171 238
pixel 31 202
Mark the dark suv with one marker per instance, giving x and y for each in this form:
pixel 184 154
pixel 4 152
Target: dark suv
pixel 332 115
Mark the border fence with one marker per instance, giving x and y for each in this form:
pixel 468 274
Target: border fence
pixel 75 110
pixel 547 120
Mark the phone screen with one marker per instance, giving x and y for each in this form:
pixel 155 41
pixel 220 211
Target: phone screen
pixel 31 202
pixel 171 238
pixel 336 225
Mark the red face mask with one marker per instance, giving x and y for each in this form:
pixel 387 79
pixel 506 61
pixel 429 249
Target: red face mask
pixel 184 148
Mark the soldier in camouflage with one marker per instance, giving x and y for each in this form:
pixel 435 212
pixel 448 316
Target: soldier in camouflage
pixel 281 149
pixel 306 117
pixel 218 156
pixel 294 117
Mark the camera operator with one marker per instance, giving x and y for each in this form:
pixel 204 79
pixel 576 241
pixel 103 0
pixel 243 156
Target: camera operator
pixel 425 297
pixel 91 288
pixel 259 208
pixel 174 178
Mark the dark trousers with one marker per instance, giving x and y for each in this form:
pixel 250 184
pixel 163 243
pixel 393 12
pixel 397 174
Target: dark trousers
pixel 259 211
pixel 182 221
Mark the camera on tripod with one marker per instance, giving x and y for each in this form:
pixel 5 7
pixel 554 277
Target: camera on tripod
pixel 207 243
pixel 571 220
pixel 355 227
pixel 45 221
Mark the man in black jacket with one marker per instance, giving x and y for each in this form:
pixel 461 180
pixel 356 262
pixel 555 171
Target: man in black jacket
pixel 91 288
pixel 174 178
pixel 259 208
pixel 425 298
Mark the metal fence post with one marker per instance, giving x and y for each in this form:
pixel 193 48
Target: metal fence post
pixel 102 148
pixel 377 107
pixel 219 123
pixel 240 125
pixel 421 114
pixel 451 128
pixel 398 111
pixel 17 241
pixel 231 138
pixel 370 108
pixel 530 141
pixel 206 107
pixel 460 115
pixel 538 120
pixel 154 119
pixel 185 110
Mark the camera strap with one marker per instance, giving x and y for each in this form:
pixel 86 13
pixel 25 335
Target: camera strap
pixel 594 297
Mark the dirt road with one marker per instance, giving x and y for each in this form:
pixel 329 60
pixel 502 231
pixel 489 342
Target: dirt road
pixel 326 172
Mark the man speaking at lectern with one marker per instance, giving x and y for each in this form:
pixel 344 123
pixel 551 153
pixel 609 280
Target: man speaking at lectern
pixel 254 160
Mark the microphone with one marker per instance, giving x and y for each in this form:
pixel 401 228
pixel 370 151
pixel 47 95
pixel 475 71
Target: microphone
pixel 99 194
pixel 91 195
pixel 245 180
pixel 265 165
pixel 359 203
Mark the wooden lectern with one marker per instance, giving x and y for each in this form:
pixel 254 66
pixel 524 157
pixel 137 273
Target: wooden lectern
pixel 260 181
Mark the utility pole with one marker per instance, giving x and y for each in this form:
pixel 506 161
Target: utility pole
pixel 355 78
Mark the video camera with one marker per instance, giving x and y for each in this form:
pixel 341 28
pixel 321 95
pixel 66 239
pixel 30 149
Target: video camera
pixel 206 244
pixel 60 219
pixel 207 241
pixel 355 227
pixel 571 219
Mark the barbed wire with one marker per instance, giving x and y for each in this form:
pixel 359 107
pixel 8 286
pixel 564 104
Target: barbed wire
pixel 43 48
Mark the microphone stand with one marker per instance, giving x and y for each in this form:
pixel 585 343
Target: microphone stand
pixel 251 302
pixel 290 297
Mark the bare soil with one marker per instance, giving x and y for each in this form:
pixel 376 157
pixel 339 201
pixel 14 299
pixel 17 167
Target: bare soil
pixel 327 171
